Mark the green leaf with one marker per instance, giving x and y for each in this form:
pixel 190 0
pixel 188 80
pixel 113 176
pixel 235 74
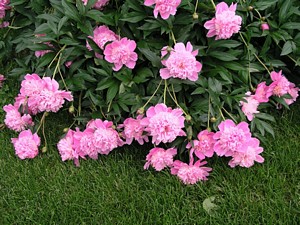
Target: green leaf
pixel 265 116
pixel 46 59
pixel 71 11
pixel 112 91
pixel 283 10
pixel 198 91
pixel 214 85
pixel 288 47
pixel 134 17
pixel 291 26
pixel 151 56
pixel 224 44
pixel 224 56
pixel 105 83
pixel 262 5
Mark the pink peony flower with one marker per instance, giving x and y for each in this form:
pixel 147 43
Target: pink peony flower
pixel 204 146
pixel 262 93
pixel 121 53
pixel 66 147
pixel 264 26
pixel 280 85
pixel 181 63
pixel 293 92
pixel 2 78
pixel 68 64
pixel 225 23
pixel 231 138
pixel 4 5
pixel 249 107
pixel 14 120
pixel 105 138
pixel 101 36
pixel 98 5
pixel 190 174
pixel 160 158
pixel 247 157
pixel 163 123
pixel 26 145
pixel 133 130
pixel 164 7
pixel 83 143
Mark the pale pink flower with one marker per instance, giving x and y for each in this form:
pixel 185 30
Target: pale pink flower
pixel 262 93
pixel 85 2
pixel 105 138
pixel 31 85
pixel 26 145
pixel 4 23
pixel 247 157
pixel 293 92
pixel 100 4
pixel 190 174
pixel 181 63
pixel 280 85
pixel 83 143
pixel 249 106
pixel 121 52
pixel 160 158
pixel 50 98
pixel 68 64
pixel 2 78
pixel 225 23
pixel 264 26
pixel 204 146
pixel 231 138
pixel 134 130
pixel 3 6
pixel 14 120
pixel 164 7
pixel 102 35
pixel 66 147
pixel 163 123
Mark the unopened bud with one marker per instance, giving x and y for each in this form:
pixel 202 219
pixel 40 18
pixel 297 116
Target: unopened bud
pixel 71 109
pixel 264 26
pixel 65 130
pixel 141 111
pixel 213 119
pixel 208 129
pixel 169 49
pixel 188 118
pixel 113 127
pixel 250 8
pixel 195 16
pixel 263 18
pixel 44 149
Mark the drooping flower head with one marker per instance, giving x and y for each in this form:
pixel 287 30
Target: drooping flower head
pixel 225 23
pixel 204 146
pixel 163 123
pixel 280 85
pixel 262 93
pixel 14 120
pixel 190 173
pixel 105 138
pixel 293 92
pixel 121 52
pixel 26 145
pixel 247 157
pixel 102 35
pixel 231 138
pixel 181 63
pixel 249 106
pixel 134 130
pixel 164 7
pixel 160 158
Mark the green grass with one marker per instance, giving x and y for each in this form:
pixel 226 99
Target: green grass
pixel 116 190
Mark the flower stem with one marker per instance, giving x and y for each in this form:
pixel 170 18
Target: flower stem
pixel 196 6
pixel 42 121
pixel 229 114
pixel 165 91
pixel 173 37
pixel 212 2
pixel 152 94
pixel 258 13
pixel 208 113
pixel 175 101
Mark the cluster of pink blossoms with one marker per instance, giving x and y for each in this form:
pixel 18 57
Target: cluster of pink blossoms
pixel 181 63
pixel 98 5
pixel 119 52
pixel 164 7
pixel 279 87
pixel 3 7
pixel 225 23
pixel 36 95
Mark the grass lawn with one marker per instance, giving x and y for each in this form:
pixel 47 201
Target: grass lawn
pixel 116 190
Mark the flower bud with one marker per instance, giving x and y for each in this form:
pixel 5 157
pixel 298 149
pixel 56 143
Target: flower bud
pixel 195 16
pixel 141 111
pixel 71 109
pixel 169 48
pixel 213 119
pixel 188 118
pixel 44 149
pixel 250 8
pixel 264 26
pixel 65 130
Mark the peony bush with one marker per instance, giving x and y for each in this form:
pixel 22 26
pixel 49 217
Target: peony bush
pixel 197 79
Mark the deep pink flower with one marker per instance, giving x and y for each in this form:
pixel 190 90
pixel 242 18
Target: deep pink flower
pixel 280 85
pixel 190 174
pixel 225 23
pixel 262 93
pixel 231 138
pixel 181 63
pixel 83 143
pixel 164 7
pixel 134 130
pixel 105 138
pixel 247 157
pixel 293 92
pixel 249 106
pixel 264 26
pixel 121 52
pixel 14 120
pixel 160 158
pixel 204 146
pixel 26 145
pixel 102 35
pixel 163 123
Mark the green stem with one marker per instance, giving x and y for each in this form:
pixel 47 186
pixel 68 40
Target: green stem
pixel 221 114
pixel 42 121
pixel 173 37
pixel 212 2
pixel 165 91
pixel 196 6
pixel 152 94
pixel 57 54
pixel 45 139
pixel 229 114
pixel 258 13
pixel 175 101
pixel 208 113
